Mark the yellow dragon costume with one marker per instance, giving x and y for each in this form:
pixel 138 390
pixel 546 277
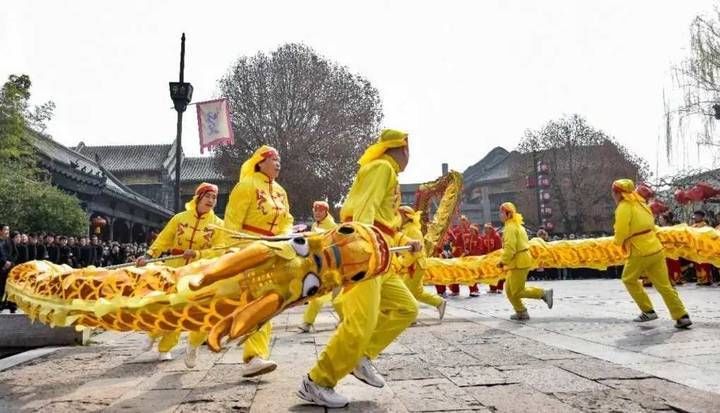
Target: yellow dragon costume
pixel 230 296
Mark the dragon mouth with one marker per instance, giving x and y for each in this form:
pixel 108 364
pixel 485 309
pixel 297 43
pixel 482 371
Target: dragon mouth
pixel 245 320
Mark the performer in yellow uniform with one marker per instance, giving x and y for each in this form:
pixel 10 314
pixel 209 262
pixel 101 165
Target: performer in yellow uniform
pixel 377 310
pixel 516 260
pixel 635 232
pixel 323 222
pixel 412 266
pixel 188 233
pixel 259 206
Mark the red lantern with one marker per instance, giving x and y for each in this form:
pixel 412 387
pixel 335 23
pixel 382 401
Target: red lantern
pixel 544 182
pixel 695 194
pixel 708 191
pixel 98 223
pixel 658 207
pixel 543 168
pixel 682 197
pixel 549 226
pixel 645 191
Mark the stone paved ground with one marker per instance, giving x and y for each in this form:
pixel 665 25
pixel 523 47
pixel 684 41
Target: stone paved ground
pixel 584 355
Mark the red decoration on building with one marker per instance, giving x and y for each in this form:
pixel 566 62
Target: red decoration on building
pixel 98 223
pixel 531 182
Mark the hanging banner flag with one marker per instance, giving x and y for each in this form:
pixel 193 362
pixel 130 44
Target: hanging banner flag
pixel 214 125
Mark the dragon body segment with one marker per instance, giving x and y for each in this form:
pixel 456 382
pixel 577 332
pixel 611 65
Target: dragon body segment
pixel 230 296
pixel 701 245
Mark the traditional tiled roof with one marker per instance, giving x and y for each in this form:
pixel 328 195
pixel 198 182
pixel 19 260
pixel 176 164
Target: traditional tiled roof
pixel 124 158
pixel 199 169
pixel 56 156
pixel 481 170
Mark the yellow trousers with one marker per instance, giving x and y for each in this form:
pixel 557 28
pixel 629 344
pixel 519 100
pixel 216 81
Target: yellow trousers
pixel 655 268
pixel 375 312
pixel 168 341
pixel 258 344
pixel 516 290
pixel 316 304
pixel 414 283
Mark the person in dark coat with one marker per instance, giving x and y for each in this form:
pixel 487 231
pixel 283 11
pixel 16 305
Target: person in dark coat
pixel 53 251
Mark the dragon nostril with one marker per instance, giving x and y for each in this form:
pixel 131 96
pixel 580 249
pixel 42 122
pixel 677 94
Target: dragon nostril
pixel 346 229
pixel 359 276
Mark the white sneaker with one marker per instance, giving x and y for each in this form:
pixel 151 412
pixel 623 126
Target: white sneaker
pixel 165 356
pixel 364 372
pixel 305 327
pixel 319 395
pixel 191 354
pixel 520 316
pixel 683 322
pixel 441 309
pixel 257 367
pixel 548 297
pixel 149 343
pixel 644 317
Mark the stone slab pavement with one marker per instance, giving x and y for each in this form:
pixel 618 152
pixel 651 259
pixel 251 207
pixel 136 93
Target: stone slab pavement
pixel 584 355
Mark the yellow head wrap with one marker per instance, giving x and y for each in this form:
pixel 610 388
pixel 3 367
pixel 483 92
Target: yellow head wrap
pixel 200 191
pixel 626 189
pixel 410 214
pixel 321 205
pixel 511 212
pixel 389 138
pixel 262 153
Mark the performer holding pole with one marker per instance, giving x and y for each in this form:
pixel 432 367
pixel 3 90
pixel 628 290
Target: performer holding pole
pixel 377 310
pixel 258 206
pixel 517 261
pixel 635 232
pixel 412 266
pixel 323 222
pixel 189 233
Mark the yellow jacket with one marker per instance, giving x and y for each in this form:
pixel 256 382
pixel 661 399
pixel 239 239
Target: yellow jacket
pixel 326 224
pixel 635 229
pixel 375 195
pixel 516 253
pixel 188 231
pixel 412 230
pixel 258 206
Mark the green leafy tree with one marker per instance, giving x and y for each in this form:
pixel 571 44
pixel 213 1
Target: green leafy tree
pixel 27 200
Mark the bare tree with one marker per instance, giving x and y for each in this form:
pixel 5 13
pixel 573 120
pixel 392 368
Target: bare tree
pixel 697 77
pixel 314 111
pixel 583 162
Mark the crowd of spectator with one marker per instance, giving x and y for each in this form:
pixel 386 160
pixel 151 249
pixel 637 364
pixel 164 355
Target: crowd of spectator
pixel 77 252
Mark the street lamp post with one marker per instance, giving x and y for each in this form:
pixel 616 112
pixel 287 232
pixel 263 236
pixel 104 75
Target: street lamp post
pixel 181 95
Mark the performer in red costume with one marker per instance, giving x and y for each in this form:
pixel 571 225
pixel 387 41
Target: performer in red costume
pixel 492 242
pixel 462 238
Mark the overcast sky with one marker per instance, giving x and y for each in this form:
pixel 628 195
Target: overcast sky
pixel 461 77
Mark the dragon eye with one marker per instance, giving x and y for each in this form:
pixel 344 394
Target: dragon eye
pixel 311 285
pixel 300 245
